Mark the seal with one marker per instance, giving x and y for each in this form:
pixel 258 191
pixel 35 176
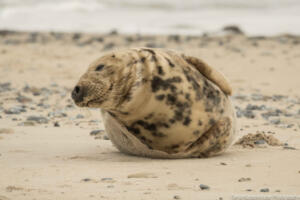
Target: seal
pixel 159 103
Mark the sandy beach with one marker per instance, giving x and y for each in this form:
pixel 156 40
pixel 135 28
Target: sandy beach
pixel 51 149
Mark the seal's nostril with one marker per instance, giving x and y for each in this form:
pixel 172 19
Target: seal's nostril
pixel 77 94
pixel 77 89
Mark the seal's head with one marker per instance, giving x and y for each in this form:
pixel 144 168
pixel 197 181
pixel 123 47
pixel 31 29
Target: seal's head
pixel 104 85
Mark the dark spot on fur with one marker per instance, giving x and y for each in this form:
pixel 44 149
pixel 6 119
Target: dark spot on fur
pixel 195 85
pixel 171 99
pixel 110 87
pixel 158 134
pixel 144 80
pixel 178 115
pixel 160 97
pixel 146 125
pixel 212 121
pixel 99 67
pixel 222 111
pixel 112 114
pixel 160 70
pixel 196 132
pixel 172 121
pixel 132 62
pixel 200 123
pixel 150 51
pixel 149 116
pixel 124 113
pixel 153 58
pixel 187 121
pixel 208 109
pixel 212 95
pixel 166 125
pixel 187 96
pixel 158 83
pixel 170 63
pixel 134 130
pixel 175 146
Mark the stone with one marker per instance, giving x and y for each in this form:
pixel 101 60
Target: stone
pixel 204 187
pixel 264 190
pixel 38 119
pixel 57 114
pixel 15 110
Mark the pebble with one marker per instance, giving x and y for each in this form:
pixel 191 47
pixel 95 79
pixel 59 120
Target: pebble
pixel 56 124
pixel 249 114
pixel 233 29
pixel 97 132
pixel 258 97
pixel 255 107
pixel 272 113
pixel 58 114
pixel 26 123
pixel 175 38
pixel 38 119
pixel 275 121
pixel 22 99
pixel 15 110
pixel 260 142
pixel 76 36
pixel 289 148
pixel 4 87
pixel 108 46
pixel 244 179
pixel 108 180
pixel 45 106
pixel 246 113
pixel 204 187
pixel 79 116
pixel 86 179
pixel 264 190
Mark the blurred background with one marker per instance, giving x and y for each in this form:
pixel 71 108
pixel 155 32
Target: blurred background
pixel 255 17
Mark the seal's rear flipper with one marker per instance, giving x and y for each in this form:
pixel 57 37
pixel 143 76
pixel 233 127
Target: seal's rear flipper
pixel 210 73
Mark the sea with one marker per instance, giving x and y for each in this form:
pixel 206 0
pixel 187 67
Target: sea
pixel 191 17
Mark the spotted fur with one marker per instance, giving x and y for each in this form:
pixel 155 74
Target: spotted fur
pixel 170 102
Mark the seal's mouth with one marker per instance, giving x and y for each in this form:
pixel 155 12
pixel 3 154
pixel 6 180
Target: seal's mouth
pixel 92 103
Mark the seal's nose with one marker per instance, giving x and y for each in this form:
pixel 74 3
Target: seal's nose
pixel 77 94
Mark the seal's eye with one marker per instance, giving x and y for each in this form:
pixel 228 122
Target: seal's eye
pixel 100 67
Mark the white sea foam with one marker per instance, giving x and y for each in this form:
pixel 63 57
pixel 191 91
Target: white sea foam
pixel 267 17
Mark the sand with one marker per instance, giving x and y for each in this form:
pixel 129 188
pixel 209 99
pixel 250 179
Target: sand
pixel 47 152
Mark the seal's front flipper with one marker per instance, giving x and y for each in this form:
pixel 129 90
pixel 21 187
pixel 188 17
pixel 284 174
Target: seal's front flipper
pixel 210 73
